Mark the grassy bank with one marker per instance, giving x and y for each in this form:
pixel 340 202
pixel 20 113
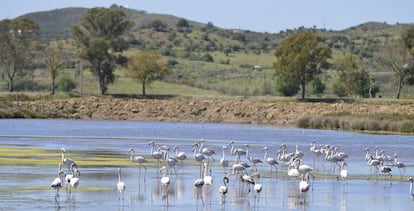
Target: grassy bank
pixel 381 123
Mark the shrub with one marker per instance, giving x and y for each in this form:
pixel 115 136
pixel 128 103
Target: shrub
pixel 65 84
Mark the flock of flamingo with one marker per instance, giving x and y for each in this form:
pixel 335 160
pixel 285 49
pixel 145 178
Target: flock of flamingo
pixel 289 161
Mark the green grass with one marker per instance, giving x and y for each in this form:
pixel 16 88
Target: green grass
pixel 378 123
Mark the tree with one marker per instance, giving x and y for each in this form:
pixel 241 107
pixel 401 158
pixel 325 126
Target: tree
pixel 300 58
pixel 397 57
pixel 145 67
pixel 99 38
pixel 17 39
pixel 55 58
pixel 352 80
pixel 408 38
pixel 158 25
pixel 183 23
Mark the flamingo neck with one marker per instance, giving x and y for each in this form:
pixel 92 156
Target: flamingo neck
pixel 411 189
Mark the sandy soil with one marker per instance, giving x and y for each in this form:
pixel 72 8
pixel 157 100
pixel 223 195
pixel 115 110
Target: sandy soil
pixel 253 111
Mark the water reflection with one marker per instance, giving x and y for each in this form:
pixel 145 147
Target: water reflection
pixel 144 189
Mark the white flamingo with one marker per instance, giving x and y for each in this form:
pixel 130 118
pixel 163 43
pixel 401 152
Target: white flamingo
pixel 198 187
pixel 73 170
pixel 57 183
pixel 373 163
pixel 181 156
pixel 257 186
pixel 400 165
pixel 236 169
pixel 206 151
pixel 157 155
pixel 304 184
pixel 344 170
pixel 223 161
pixel 252 159
pixel 138 159
pixel 74 182
pixel 120 185
pixel 223 189
pixel 208 179
pixel 67 161
pixel 165 182
pixel 198 157
pixel 411 180
pixel 247 179
pixel 269 160
pixel 239 150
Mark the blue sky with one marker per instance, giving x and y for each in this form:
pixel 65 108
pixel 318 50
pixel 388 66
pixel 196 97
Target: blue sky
pixel 259 15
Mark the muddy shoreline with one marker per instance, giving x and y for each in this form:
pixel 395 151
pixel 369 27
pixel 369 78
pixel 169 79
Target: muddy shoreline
pixel 212 110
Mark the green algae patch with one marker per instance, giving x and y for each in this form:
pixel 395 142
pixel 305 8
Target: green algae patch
pixel 44 188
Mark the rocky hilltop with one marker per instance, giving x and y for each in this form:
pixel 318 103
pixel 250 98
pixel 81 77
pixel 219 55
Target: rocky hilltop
pixel 249 111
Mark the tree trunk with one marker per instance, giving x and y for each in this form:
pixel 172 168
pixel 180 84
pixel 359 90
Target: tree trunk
pixel 101 82
pixel 143 89
pixel 399 88
pixel 53 83
pixel 11 86
pixel 303 89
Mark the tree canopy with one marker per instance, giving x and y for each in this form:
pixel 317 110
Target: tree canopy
pixel 101 43
pixel 17 40
pixel 300 58
pixel 145 67
pixel 396 56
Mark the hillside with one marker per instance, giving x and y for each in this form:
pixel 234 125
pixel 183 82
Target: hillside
pixel 204 56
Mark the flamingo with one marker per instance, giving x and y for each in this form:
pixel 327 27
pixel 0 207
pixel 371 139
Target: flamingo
pixel 236 169
pixel 157 155
pixel 252 159
pixel 71 174
pixel 411 180
pixel 271 161
pixel 399 165
pixel 198 157
pixel 374 163
pixel 74 182
pixel 165 182
pixel 316 152
pixel 385 170
pixel 137 159
pixel 198 185
pixel 247 179
pixel 344 171
pixel 239 150
pixel 298 153
pixel 223 189
pixel 257 186
pixel 206 151
pixel 208 179
pixel 224 163
pixel 304 184
pixel 120 185
pixel 170 160
pixel 57 183
pixel 66 161
pixel 181 156
pixel 294 168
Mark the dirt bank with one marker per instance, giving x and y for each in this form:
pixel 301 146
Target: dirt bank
pixel 278 113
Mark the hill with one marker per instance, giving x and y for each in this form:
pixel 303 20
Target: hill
pixel 204 56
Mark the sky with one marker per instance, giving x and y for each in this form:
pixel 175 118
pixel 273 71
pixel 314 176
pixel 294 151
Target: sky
pixel 260 15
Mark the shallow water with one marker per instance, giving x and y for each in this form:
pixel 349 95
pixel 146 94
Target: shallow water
pixel 25 180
